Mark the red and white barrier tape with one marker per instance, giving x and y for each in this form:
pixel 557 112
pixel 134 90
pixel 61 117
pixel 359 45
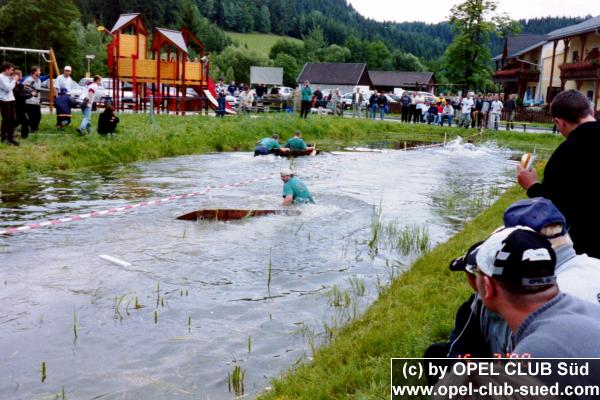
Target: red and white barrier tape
pixel 128 207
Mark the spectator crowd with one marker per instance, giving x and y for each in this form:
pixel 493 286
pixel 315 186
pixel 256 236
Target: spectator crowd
pixel 20 103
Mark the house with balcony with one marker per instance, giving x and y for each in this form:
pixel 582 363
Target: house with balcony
pixel 518 67
pixel 579 66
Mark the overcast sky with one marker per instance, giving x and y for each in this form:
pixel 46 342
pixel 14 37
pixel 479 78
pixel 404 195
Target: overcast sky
pixel 433 11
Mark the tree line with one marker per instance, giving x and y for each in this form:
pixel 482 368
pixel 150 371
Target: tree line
pixel 330 30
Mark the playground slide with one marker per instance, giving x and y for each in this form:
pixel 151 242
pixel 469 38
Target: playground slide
pixel 211 96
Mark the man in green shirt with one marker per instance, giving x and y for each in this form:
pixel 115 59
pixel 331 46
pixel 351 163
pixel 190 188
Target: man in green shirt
pixel 269 145
pixel 297 143
pixel 306 93
pixel 294 190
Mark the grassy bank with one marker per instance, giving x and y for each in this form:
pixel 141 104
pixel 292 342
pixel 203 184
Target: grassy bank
pixel 140 139
pixel 415 311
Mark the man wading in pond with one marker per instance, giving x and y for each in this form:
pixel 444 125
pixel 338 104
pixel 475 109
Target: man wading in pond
pixel 294 190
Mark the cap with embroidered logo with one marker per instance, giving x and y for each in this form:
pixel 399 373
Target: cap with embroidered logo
pixel 517 255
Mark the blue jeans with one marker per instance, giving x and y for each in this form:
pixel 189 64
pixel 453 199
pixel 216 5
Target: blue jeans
pixel 448 117
pixel 86 122
pixel 260 150
pixel 382 112
pixel 373 111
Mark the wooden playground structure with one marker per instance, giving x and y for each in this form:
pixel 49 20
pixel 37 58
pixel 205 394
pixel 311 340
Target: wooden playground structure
pixel 161 73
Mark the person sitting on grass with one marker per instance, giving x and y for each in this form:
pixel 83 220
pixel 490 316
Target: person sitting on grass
pixel 269 145
pixel 63 104
pixel 294 190
pixel 107 122
pixel 297 143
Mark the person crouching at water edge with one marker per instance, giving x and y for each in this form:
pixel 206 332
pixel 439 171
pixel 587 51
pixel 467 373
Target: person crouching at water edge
pixel 269 145
pixel 294 190
pixel 297 143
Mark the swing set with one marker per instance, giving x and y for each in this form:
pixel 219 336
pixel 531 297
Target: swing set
pixel 47 55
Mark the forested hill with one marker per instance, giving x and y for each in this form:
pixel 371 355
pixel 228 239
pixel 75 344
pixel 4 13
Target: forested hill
pixel 331 30
pixel 336 18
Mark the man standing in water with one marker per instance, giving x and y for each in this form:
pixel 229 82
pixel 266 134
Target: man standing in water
pixel 294 190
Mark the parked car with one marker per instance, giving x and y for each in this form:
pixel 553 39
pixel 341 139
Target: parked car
pixel 285 92
pixel 75 92
pixel 347 99
pixel 126 96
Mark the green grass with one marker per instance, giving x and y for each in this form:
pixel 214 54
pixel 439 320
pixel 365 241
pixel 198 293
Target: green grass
pixel 262 42
pixel 415 311
pixel 139 139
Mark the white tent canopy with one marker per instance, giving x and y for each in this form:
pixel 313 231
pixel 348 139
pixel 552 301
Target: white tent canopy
pixel 266 75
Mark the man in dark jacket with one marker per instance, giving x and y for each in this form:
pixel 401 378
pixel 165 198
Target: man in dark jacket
pixel 432 113
pixel 260 92
pixel 108 121
pixel 382 103
pixel 571 172
pixel 22 93
pixel 477 115
pixel 63 104
pixel 373 104
pixel 405 101
pixel 511 107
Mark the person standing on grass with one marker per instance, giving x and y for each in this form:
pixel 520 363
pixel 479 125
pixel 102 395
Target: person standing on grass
pixel 419 108
pixel 405 101
pixel 511 109
pixel 382 103
pixel 306 96
pixel 412 108
pixel 495 112
pixel 485 111
pixel 7 103
pixel 64 81
pixel 467 105
pixel 373 104
pixel 22 93
pixel 357 100
pixel 32 105
pixel 87 101
pixel 569 176
pixel 222 103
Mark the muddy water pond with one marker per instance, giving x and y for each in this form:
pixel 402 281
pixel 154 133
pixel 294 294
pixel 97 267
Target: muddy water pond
pixel 200 298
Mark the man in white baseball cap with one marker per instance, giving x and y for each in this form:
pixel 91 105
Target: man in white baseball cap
pixel 294 190
pixel 64 81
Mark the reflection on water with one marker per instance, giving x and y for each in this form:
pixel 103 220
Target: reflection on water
pixel 181 316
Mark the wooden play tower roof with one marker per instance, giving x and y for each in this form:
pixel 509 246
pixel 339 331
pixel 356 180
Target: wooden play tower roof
pixel 127 20
pixel 172 37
